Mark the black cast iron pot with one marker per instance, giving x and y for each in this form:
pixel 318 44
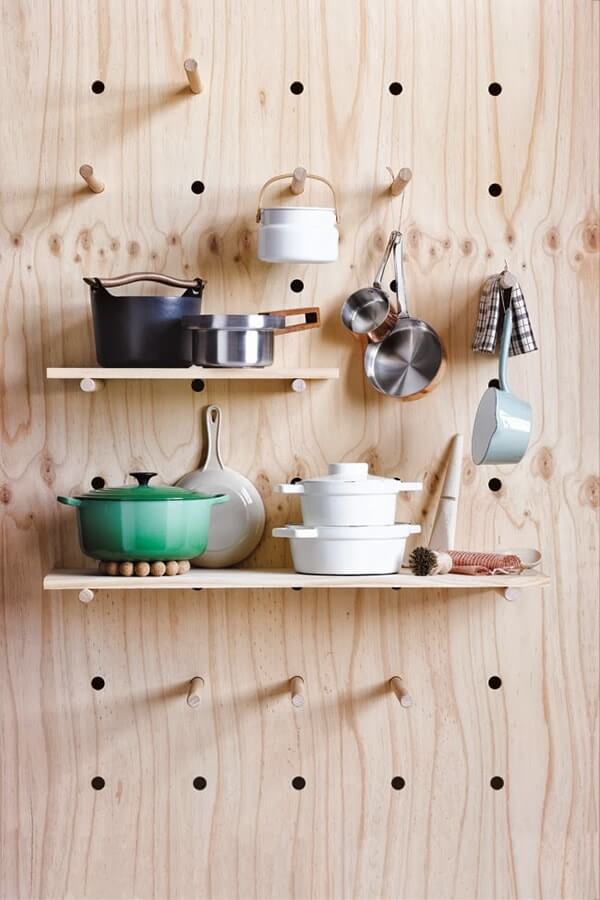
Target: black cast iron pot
pixel 143 331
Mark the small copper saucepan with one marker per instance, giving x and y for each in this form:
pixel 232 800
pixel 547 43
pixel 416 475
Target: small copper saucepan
pixel 409 361
pixel 369 311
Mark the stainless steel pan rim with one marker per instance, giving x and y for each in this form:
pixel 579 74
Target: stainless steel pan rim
pixel 406 361
pixel 254 322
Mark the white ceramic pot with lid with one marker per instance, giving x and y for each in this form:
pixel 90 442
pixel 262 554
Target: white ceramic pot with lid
pixel 348 495
pixel 347 550
pixel 297 234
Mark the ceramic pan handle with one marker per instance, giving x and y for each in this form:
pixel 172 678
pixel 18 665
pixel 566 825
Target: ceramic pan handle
pixel 213 432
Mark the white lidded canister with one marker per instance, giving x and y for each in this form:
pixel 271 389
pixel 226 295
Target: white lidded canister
pixel 297 234
pixel 348 495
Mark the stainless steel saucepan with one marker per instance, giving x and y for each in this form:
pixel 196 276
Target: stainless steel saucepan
pixel 409 361
pixel 239 341
pixel 369 311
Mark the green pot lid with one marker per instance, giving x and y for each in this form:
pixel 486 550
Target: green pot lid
pixel 144 491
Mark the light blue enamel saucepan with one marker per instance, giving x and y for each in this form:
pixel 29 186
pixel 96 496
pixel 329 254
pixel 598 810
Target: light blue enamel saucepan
pixel 503 422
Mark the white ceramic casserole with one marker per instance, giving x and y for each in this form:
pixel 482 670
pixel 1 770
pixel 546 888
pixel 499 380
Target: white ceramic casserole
pixel 297 234
pixel 348 495
pixel 347 550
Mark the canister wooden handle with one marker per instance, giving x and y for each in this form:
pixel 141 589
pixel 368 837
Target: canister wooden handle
pixel 275 178
pixel 312 316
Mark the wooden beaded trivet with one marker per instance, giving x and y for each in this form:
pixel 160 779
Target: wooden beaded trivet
pixel 141 569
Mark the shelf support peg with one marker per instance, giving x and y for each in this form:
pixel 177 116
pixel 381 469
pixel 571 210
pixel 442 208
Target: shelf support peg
pixel 194 694
pixel 399 181
pixel 191 70
pixel 297 691
pixel 511 594
pixel 298 385
pixel 86 595
pixel 397 685
pixel 91 385
pixel 298 180
pixel 87 173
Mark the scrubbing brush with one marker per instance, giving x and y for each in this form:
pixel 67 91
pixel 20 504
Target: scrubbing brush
pixel 424 561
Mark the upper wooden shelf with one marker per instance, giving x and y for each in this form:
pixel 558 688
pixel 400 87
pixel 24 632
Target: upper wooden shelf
pixel 251 579
pixel 93 378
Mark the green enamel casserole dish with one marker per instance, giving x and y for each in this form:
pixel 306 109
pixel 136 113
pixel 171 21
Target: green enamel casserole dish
pixel 142 522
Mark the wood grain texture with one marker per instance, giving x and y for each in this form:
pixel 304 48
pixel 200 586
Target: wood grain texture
pixel 348 833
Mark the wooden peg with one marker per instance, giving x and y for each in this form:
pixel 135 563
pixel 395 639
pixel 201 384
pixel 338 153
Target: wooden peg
pixel 297 690
pixel 298 180
pixel 298 385
pixel 191 70
pixel 94 184
pixel 194 695
pixel 399 181
pixel 86 595
pixel 400 691
pixel 91 385
pixel 511 594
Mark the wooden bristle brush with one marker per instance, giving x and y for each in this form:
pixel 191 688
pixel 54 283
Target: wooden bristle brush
pixel 424 561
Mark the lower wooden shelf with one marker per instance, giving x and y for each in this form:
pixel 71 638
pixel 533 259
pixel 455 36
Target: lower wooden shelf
pixel 252 579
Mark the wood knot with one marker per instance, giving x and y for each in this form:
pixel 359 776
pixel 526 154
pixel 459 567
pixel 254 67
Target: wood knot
pixel 77 258
pixel 154 256
pixel 263 484
pixel 468 472
pixel 433 251
pixel 262 98
pixel 591 237
pixel 552 238
pixel 413 237
pixel 379 241
pixel 589 495
pixel 371 458
pixel 5 494
pixel 16 240
pixel 133 248
pixel 545 463
pixel 173 240
pixel 578 256
pixel 115 245
pixel 446 243
pixel 245 239
pixel 55 245
pixel 466 247
pixel 47 470
pixel 489 253
pixel 214 244
pixel 85 238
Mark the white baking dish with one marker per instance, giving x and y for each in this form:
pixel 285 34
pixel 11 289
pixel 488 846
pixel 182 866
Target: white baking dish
pixel 348 495
pixel 347 550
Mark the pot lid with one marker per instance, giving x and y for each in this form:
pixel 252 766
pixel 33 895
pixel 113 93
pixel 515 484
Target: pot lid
pixel 144 491
pixel 350 478
pixel 349 532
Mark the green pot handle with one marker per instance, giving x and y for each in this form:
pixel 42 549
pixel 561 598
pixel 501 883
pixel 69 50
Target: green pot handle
pixel 69 501
pixel 220 498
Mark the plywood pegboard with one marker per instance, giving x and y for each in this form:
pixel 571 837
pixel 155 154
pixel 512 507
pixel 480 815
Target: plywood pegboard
pixel 348 833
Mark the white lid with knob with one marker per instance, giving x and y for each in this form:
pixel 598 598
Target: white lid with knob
pixel 349 478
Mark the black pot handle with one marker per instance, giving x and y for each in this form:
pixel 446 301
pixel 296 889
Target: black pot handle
pixel 142 477
pixel 193 287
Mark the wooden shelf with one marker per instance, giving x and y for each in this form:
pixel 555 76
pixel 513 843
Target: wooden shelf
pixel 92 378
pixel 251 579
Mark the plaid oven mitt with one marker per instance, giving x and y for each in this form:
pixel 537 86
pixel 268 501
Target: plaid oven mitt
pixel 489 321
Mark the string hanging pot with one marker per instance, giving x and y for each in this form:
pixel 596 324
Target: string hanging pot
pixel 297 234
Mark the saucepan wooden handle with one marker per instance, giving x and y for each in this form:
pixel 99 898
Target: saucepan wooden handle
pixel 312 318
pixel 120 280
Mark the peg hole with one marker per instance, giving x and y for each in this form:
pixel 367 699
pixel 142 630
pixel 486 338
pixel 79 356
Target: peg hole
pixel 296 588
pixel 299 783
pixel 495 682
pixel 199 782
pixel 97 682
pixel 495 189
pixel 393 285
pixel 98 482
pixel 398 782
pixel 197 187
pixel 495 88
pixel 297 285
pixel 198 385
pixel 296 87
pixel 494 383
pixel 497 783
pixel 295 480
pixel 395 88
pixel 97 87
pixel 98 782
pixel 494 484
